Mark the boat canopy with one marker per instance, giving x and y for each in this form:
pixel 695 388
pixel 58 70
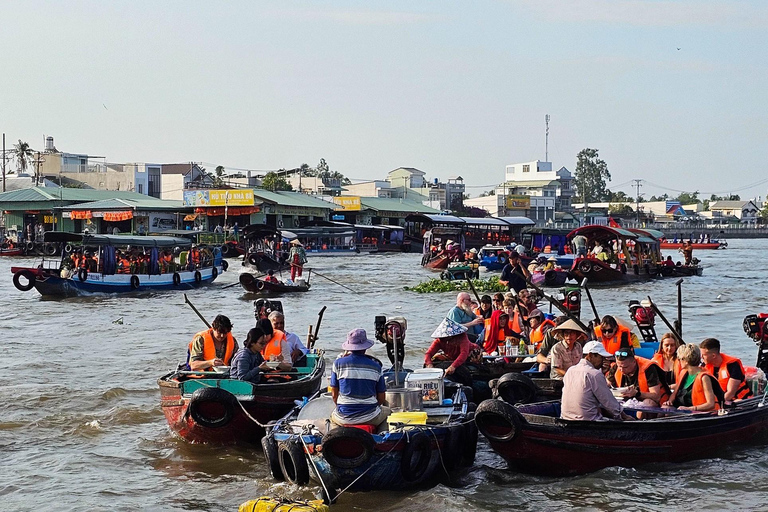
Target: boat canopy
pixel 517 221
pixel 485 221
pixel 374 228
pixel 434 219
pixel 652 233
pixel 259 231
pixel 646 240
pixel 602 233
pixel 117 240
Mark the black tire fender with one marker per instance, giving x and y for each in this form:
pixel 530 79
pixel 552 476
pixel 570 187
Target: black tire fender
pixel 347 436
pixel 82 275
pixel 550 277
pixel 269 445
pixel 498 421
pixel 176 279
pixel 214 272
pixel 198 277
pixel 135 282
pixel 260 285
pixel 202 396
pixel 69 248
pixel 30 280
pixel 224 265
pixel 253 259
pixel 515 388
pixel 293 463
pixel 246 279
pixel 416 456
pixel 49 249
pixel 30 246
pixel 585 266
pixel 451 451
pixel 225 250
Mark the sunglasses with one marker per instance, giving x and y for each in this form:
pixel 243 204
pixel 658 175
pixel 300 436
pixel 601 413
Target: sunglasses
pixel 609 331
pixel 623 353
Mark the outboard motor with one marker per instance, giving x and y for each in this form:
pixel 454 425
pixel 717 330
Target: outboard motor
pixel 645 317
pixel 572 300
pixel 391 332
pixel 263 307
pixel 755 327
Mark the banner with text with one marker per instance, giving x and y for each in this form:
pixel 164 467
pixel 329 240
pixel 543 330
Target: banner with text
pixel 218 197
pixel 347 202
pixel 518 202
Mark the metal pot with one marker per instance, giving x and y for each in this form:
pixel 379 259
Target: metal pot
pixel 404 399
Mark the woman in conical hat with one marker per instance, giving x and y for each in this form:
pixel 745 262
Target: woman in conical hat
pixel 450 351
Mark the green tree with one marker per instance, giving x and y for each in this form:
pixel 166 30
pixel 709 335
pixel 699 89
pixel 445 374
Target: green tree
pixel 688 197
pixel 218 178
pixel 621 209
pixel 23 154
pixel 590 176
pixel 619 197
pixel 487 193
pixel 762 215
pixel 274 182
pixel 306 170
pixel 659 198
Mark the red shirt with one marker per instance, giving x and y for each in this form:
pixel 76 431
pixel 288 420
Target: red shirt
pixel 456 348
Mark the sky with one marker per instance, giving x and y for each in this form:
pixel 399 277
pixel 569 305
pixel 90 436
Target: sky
pixel 670 92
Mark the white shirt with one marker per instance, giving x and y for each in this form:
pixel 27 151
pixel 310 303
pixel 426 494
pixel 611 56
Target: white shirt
pixel 294 343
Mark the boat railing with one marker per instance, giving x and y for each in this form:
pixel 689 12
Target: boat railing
pixel 49 264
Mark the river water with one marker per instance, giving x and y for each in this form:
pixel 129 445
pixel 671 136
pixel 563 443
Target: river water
pixel 81 426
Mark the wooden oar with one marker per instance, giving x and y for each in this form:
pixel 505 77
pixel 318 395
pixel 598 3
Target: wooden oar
pixel 313 335
pixel 186 299
pixel 560 306
pixel 329 279
pixel 472 287
pixel 671 328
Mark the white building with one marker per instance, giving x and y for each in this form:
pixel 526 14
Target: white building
pixel 534 190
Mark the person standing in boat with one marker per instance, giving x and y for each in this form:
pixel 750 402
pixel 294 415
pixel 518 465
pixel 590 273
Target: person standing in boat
pixel 687 251
pixel 586 396
pixel 580 246
pixel 357 384
pixel 297 258
pixel 514 274
pixel 212 347
pixel 728 370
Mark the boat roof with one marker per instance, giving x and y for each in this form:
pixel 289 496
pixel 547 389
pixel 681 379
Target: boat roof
pixel 535 230
pixel 517 221
pixel 652 233
pixel 485 221
pixel 602 232
pixel 435 219
pixel 259 231
pixel 375 228
pixel 117 240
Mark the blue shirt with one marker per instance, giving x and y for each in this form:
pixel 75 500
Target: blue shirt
pixel 359 379
pixel 460 316
pixel 245 366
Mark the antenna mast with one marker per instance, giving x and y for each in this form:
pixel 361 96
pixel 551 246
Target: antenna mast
pixel 546 139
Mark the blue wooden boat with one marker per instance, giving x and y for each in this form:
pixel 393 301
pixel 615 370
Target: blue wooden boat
pixel 301 447
pixel 55 277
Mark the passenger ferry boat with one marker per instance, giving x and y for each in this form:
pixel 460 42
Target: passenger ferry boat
pixel 55 276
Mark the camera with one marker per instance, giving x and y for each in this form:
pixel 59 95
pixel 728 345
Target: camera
pixel 263 307
pixel 755 327
pixel 380 328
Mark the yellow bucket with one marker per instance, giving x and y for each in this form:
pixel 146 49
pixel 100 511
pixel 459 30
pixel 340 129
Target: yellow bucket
pixel 267 504
pixel 407 418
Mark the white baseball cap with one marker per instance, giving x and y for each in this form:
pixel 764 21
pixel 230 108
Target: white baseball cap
pixel 596 347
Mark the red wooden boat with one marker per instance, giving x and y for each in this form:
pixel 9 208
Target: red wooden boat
pixel 209 407
pixel 16 251
pixel 696 245
pixel 438 262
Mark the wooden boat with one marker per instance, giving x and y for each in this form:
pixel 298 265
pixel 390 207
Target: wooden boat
pixel 16 251
pixel 209 407
pixel 382 239
pixel 714 244
pixel 300 448
pixel 533 438
pixel 266 248
pixel 553 277
pixel 52 277
pixel 253 284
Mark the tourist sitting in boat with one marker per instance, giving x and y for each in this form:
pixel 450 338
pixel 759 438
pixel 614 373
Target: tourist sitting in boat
pixel 586 395
pixel 526 301
pixel 277 345
pixel 667 359
pixel 270 278
pixel 357 384
pixel 451 351
pixel 485 308
pixel 538 325
pixel 640 377
pixel 514 274
pixel 498 301
pixel 91 263
pixel 728 370
pixel 462 314
pixel 551 264
pixel 614 336
pixel 537 265
pixel 696 390
pixel 497 331
pixel 543 356
pixel 212 347
pixel 668 262
pixel 567 351
pixel 295 346
pixel 248 364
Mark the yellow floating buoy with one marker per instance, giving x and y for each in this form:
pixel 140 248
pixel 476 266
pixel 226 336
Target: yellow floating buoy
pixel 267 504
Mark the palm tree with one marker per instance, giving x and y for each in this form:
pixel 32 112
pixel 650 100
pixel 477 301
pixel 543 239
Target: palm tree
pixel 23 154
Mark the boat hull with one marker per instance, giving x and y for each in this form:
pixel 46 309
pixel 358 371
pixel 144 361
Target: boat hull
pixel 545 444
pixel 709 246
pixel 251 284
pixel 51 285
pixel 263 402
pixel 600 273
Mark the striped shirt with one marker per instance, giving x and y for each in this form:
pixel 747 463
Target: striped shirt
pixel 358 378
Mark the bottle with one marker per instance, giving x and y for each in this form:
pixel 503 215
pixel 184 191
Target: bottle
pixel 522 350
pixel 509 346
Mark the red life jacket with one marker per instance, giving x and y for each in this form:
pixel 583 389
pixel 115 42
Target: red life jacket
pixel 723 376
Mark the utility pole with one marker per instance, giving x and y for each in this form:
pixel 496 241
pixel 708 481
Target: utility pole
pixel 638 184
pixel 38 160
pixel 3 162
pixel 546 139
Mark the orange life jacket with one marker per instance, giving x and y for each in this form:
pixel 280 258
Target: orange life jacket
pixel 621 338
pixel 677 367
pixel 537 335
pixel 697 393
pixel 642 379
pixel 274 348
pixel 723 376
pixel 209 349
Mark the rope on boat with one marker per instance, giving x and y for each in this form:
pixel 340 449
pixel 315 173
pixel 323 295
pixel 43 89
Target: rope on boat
pixel 265 427
pixel 317 471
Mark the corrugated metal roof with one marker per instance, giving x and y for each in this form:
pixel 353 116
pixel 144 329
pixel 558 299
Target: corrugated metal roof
pixel 292 199
pixel 395 205
pixel 27 195
pixel 147 203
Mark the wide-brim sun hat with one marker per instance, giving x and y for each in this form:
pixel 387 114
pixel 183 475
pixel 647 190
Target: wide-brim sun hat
pixel 295 242
pixel 570 325
pixel 551 258
pixel 473 250
pixel 357 339
pixel 448 328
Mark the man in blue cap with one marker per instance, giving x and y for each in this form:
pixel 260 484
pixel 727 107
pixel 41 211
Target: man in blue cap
pixel 357 384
